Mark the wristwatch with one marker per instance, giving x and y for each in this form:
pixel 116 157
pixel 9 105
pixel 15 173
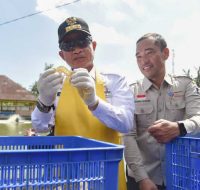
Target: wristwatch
pixel 43 108
pixel 182 129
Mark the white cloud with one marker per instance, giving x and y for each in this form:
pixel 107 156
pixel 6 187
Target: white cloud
pixel 106 3
pixel 138 8
pixel 116 25
pixel 186 26
pixel 182 36
pixel 116 16
pixel 57 15
pixel 46 4
pixel 108 35
pixel 185 39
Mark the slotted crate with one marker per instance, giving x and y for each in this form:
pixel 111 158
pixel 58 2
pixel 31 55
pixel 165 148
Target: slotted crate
pixel 183 164
pixel 65 162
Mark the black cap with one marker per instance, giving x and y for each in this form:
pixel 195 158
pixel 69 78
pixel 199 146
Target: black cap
pixel 72 24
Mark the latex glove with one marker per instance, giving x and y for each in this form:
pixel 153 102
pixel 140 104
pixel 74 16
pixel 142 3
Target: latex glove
pixel 48 85
pixel 85 84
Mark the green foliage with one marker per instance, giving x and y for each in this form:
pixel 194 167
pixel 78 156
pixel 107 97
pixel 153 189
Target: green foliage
pixel 46 66
pixel 33 87
pixel 187 73
pixel 197 78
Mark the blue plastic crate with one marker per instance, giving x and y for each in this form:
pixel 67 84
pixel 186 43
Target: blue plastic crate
pixel 69 163
pixel 183 164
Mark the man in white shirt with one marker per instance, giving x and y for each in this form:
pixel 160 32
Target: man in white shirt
pixel 88 103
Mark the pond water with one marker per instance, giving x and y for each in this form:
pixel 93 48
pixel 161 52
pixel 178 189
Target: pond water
pixel 14 126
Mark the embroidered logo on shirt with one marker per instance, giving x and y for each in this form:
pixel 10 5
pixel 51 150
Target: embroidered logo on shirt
pixel 170 93
pixel 175 93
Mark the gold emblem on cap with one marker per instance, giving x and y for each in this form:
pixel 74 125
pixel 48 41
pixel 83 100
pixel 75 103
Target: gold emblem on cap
pixel 71 21
pixel 72 24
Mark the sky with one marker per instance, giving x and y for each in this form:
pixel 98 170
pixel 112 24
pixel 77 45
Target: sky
pixel 27 44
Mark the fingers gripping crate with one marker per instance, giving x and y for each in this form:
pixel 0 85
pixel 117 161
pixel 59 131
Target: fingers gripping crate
pixel 69 163
pixel 183 164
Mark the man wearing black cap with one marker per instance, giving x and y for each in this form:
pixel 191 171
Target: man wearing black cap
pixel 88 103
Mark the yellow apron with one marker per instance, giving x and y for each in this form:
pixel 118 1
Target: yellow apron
pixel 74 119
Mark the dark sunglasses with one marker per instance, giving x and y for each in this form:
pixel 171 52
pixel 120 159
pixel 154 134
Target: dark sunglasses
pixel 80 43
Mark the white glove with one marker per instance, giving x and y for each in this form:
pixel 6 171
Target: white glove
pixel 48 85
pixel 85 84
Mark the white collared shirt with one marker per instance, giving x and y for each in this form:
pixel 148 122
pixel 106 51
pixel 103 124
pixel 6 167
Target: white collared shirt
pixel 117 112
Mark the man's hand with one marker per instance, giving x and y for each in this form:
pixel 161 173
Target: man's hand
pixel 85 84
pixel 163 130
pixel 147 184
pixel 48 85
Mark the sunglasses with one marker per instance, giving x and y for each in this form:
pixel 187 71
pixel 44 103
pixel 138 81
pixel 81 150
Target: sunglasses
pixel 80 43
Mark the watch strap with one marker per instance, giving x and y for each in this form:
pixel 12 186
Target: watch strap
pixel 43 108
pixel 182 129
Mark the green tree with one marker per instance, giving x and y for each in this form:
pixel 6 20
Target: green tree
pixel 33 87
pixel 187 73
pixel 47 66
pixel 197 78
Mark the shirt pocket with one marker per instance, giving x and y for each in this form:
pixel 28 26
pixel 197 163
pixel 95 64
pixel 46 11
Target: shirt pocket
pixel 175 109
pixel 144 115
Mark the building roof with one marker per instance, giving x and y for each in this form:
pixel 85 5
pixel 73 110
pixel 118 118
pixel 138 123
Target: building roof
pixel 10 90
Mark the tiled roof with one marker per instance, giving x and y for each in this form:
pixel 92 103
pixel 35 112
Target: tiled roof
pixel 10 90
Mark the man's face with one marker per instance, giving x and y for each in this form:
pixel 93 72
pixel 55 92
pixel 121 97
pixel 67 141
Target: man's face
pixel 150 59
pixel 78 50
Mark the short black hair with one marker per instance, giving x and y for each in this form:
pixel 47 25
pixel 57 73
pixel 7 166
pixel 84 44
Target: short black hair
pixel 158 39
